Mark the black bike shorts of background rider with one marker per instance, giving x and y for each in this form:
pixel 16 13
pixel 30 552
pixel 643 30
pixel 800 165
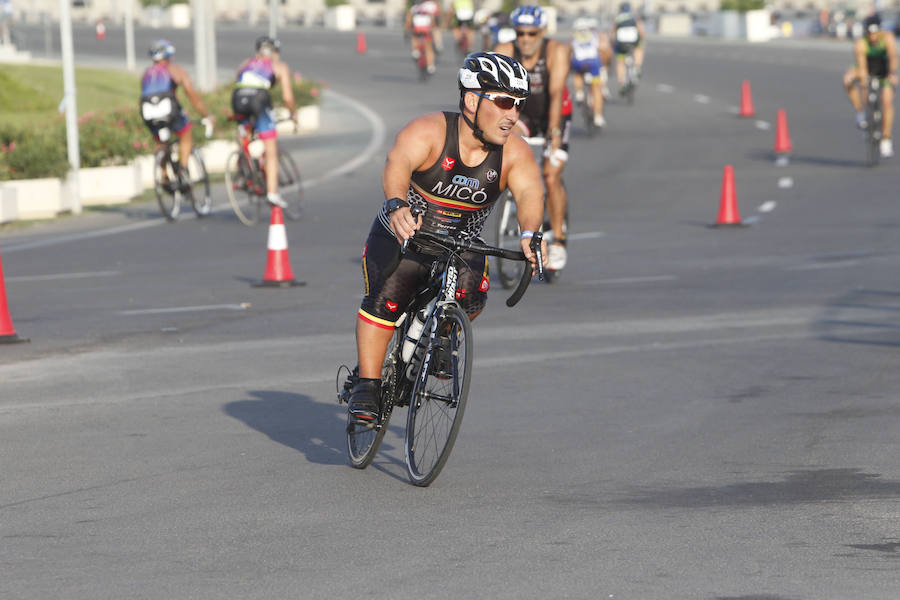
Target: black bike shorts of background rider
pixel 621 49
pixel 392 279
pixel 250 102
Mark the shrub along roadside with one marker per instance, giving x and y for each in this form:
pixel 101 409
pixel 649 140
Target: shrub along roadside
pixel 110 137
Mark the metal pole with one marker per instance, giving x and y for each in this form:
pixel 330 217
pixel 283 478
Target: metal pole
pixel 273 19
pixel 211 62
pixel 130 62
pixel 68 60
pixel 200 64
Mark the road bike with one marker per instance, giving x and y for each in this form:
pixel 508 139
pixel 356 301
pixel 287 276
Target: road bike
pixel 587 106
pixel 507 234
pixel 631 79
pixel 245 177
pixel 172 182
pixel 429 372
pixel 873 121
pixel 422 41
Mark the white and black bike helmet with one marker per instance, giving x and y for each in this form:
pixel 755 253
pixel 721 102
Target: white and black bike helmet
pixel 485 72
pixel 161 49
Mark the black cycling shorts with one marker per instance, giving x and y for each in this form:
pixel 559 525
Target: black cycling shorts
pixel 392 279
pixel 250 102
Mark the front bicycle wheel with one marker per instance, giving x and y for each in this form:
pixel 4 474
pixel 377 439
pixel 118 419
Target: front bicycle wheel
pixel 290 185
pixel 363 439
pixel 241 184
pixel 165 184
pixel 199 180
pixel 439 396
pixel 507 236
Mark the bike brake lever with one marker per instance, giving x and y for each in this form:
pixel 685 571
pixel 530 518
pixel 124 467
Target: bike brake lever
pixel 415 211
pixel 538 254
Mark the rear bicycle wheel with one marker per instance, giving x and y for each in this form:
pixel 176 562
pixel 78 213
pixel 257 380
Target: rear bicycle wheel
pixel 507 235
pixel 588 110
pixel 363 439
pixel 165 183
pixel 241 185
pixel 290 185
pixel 439 396
pixel 199 181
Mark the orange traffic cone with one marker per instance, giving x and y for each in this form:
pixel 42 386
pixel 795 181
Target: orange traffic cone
pixel 7 332
pixel 101 30
pixel 782 136
pixel 728 210
pixel 278 266
pixel 360 43
pixel 747 109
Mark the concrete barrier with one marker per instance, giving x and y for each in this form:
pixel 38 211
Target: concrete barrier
pixel 675 25
pixel 109 185
pixel 9 207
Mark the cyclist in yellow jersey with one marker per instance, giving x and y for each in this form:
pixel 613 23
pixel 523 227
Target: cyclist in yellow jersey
pixel 876 56
pixel 463 15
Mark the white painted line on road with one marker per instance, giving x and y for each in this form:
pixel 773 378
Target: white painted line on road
pixel 701 98
pixel 59 276
pixel 838 264
pixel 181 309
pixel 763 125
pixel 77 237
pixel 665 88
pixel 734 109
pixel 364 157
pixel 785 183
pixel 628 280
pixel 586 235
pixel 767 206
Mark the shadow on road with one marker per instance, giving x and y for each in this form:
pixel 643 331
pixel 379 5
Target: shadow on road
pixel 297 421
pixel 863 316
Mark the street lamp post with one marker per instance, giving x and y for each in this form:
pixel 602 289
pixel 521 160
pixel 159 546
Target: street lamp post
pixel 69 101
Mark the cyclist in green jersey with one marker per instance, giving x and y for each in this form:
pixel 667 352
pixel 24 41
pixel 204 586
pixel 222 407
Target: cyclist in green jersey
pixel 876 56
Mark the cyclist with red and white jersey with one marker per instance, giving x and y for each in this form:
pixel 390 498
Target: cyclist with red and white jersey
pixel 422 22
pixel 547 113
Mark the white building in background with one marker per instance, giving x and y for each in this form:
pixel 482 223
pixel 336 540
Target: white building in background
pixel 376 11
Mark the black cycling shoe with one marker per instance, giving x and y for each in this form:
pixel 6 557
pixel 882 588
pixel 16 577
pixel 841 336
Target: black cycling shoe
pixel 365 400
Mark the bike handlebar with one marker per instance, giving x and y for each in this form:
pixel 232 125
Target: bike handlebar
pixel 458 245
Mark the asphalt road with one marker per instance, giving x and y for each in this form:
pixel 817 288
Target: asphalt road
pixel 687 413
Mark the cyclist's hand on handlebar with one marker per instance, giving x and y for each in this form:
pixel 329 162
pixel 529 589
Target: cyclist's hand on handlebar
pixel 530 255
pixel 403 224
pixel 895 81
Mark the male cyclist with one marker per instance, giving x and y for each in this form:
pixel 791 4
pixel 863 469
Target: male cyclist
pixel 422 23
pixel 547 113
pixel 463 16
pixel 628 37
pixel 429 155
pixel 158 85
pixel 251 100
pixel 876 56
pixel 589 52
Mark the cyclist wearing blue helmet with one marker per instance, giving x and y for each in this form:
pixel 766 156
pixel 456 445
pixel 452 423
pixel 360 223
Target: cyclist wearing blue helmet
pixel 547 113
pixel 875 54
pixel 453 166
pixel 160 108
pixel 628 37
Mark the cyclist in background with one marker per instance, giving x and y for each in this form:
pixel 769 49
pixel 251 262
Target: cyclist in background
pixel 160 80
pixel 547 113
pixel 589 51
pixel 876 56
pixel 628 37
pixel 463 16
pixel 251 100
pixel 422 22
pixel 429 155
